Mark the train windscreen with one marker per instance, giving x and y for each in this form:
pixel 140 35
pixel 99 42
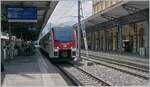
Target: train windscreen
pixel 63 34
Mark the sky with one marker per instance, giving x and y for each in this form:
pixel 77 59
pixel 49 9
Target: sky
pixel 66 13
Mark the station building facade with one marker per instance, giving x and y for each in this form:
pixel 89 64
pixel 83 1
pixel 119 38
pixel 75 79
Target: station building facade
pixel 99 5
pixel 127 36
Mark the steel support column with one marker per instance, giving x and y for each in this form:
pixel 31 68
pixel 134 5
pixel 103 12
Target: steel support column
pixel 147 37
pixel 93 40
pixel 98 40
pixel 105 40
pixel 120 37
pixel 136 37
pixel 135 45
pixel 10 32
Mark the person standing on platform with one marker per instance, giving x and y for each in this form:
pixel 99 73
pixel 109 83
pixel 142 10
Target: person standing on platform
pixel 15 50
pixel 4 52
pixel 11 50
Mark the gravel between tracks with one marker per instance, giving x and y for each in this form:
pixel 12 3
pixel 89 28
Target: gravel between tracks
pixel 84 79
pixel 125 68
pixel 112 76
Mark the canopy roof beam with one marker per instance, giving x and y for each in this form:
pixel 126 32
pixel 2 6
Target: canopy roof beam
pixel 92 22
pixel 130 9
pixel 129 19
pixel 110 19
pixel 107 17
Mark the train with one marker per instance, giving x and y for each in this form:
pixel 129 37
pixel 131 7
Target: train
pixel 60 44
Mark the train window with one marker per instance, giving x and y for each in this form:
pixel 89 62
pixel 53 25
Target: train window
pixel 64 35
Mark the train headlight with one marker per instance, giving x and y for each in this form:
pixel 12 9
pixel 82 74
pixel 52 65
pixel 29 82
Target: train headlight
pixel 57 47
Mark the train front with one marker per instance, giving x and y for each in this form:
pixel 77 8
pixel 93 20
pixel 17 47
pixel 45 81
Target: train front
pixel 64 39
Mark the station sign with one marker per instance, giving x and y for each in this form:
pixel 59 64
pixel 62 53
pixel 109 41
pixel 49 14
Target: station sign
pixel 21 14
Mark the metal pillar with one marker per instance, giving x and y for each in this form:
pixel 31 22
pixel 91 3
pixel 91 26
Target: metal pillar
pixel 0 44
pixel 79 29
pixel 96 46
pixel 9 31
pixel 147 33
pixel 105 41
pixel 120 37
pixel 136 37
pixel 97 39
pixel 93 41
pixel 147 37
pixel 10 56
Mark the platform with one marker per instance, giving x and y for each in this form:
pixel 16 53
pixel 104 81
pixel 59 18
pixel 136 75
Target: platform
pixel 125 56
pixel 31 71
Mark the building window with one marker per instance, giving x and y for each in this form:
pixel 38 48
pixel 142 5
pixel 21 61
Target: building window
pixel 106 4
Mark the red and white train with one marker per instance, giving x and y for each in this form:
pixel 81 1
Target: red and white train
pixel 60 44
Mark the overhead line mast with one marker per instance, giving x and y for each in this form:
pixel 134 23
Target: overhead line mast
pixel 79 30
pixel 81 26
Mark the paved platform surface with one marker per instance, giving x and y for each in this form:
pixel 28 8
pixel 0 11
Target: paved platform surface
pixel 31 71
pixel 139 59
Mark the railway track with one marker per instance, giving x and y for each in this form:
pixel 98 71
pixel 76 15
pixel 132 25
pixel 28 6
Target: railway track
pixel 124 62
pixel 142 73
pixel 84 78
pixel 72 80
pixel 80 77
pixel 121 63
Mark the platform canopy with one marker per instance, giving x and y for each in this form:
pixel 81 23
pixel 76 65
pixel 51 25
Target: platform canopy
pixel 28 30
pixel 120 9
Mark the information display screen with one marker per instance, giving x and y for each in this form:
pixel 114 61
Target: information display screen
pixel 20 13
